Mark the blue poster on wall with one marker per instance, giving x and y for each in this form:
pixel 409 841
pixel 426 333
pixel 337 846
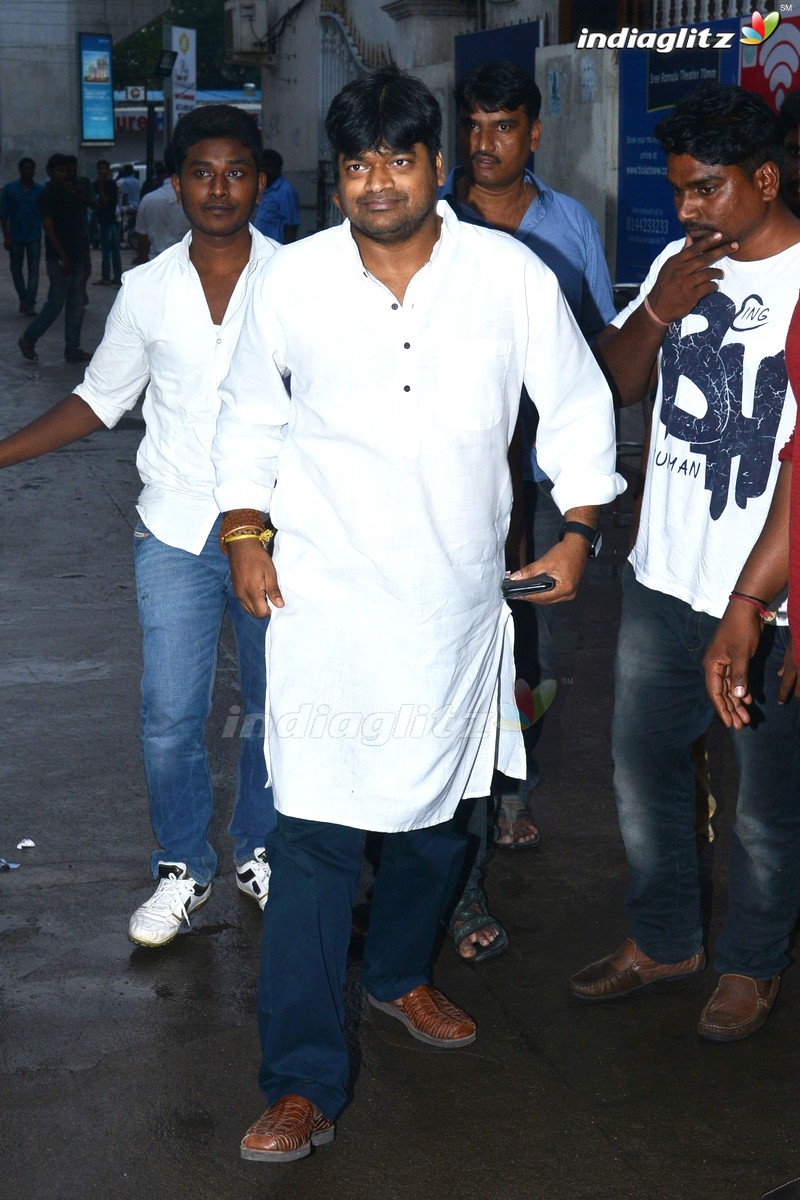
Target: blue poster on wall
pixel 517 43
pixel 96 87
pixel 650 84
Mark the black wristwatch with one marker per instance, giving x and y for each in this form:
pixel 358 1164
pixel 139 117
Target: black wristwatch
pixel 593 536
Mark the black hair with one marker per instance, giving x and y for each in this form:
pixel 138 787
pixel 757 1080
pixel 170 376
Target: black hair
pixel 271 158
pixel 102 162
pixel 57 160
pixel 724 125
pixel 499 86
pixel 789 113
pixel 23 162
pixel 385 109
pixel 215 121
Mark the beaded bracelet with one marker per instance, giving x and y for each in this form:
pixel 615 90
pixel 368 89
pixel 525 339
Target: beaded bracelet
pixel 764 613
pixel 241 516
pixel 237 520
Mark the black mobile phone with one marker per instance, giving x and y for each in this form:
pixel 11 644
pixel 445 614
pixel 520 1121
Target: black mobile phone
pixel 513 589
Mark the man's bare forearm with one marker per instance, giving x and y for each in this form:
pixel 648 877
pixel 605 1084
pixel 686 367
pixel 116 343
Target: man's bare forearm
pixel 766 571
pixel 68 421
pixel 629 356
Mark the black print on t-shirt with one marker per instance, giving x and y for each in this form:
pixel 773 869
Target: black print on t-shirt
pixel 723 432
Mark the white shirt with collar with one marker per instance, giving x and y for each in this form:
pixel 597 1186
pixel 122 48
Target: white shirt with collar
pixel 159 335
pixel 161 218
pixel 391 666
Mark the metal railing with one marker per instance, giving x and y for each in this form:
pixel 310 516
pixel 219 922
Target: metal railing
pixel 669 13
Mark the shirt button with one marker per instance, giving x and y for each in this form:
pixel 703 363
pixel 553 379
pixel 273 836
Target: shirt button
pixel 406 345
pixel 407 388
pixel 219 341
pixel 395 306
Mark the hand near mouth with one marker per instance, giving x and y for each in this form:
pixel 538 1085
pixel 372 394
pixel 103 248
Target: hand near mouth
pixel 689 275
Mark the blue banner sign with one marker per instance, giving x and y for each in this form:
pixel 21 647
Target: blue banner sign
pixel 96 87
pixel 650 85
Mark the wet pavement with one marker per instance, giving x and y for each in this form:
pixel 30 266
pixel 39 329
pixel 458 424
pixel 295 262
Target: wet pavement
pixel 127 1073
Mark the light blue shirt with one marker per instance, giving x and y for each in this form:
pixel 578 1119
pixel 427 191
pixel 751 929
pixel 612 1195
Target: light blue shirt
pixel 564 236
pixel 561 231
pixel 279 206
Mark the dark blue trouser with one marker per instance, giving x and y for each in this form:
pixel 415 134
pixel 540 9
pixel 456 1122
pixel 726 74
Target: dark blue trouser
pixel 110 256
pixel 661 708
pixel 66 291
pixel 307 927
pixel 19 252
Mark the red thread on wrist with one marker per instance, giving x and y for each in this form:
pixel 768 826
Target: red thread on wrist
pixel 760 605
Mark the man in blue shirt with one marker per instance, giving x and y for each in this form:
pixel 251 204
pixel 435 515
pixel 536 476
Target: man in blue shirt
pixel 499 128
pixel 278 214
pixel 22 232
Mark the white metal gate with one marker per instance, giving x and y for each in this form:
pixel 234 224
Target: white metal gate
pixel 342 57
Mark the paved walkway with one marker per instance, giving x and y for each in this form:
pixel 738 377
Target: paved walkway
pixel 128 1074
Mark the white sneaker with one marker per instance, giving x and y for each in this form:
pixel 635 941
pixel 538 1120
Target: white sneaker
pixel 252 878
pixel 157 921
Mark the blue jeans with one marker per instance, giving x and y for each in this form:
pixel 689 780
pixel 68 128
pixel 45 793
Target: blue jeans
pixel 182 600
pixel 661 708
pixel 66 291
pixel 306 932
pixel 109 247
pixel 19 252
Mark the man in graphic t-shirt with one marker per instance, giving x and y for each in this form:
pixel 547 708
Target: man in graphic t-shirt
pixel 710 326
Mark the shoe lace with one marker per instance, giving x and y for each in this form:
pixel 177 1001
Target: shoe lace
pixel 259 868
pixel 171 895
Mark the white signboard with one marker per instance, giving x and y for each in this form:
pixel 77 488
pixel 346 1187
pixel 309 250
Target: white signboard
pixel 184 74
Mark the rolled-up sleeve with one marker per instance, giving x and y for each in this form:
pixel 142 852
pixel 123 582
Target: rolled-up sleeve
pixel 119 370
pixel 254 410
pixel 576 441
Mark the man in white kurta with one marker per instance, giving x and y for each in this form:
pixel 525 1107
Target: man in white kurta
pixel 391 673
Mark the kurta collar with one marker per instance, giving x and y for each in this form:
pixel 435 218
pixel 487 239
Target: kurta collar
pixel 445 243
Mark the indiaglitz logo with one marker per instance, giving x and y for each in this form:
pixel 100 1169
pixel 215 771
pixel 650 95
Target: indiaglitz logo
pixel 761 29
pixel 662 41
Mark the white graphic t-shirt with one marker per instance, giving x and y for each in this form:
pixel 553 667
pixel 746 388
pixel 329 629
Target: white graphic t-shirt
pixel 723 411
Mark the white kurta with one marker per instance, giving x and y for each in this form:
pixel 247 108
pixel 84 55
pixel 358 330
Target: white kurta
pixel 390 668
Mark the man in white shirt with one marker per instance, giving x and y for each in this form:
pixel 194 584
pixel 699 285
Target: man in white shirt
pixel 710 323
pixel 160 219
pixel 408 336
pixel 129 187
pixel 172 331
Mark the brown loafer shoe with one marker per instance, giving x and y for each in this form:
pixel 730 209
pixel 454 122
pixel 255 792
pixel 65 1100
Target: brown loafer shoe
pixel 739 1007
pixel 628 969
pixel 287 1131
pixel 430 1017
